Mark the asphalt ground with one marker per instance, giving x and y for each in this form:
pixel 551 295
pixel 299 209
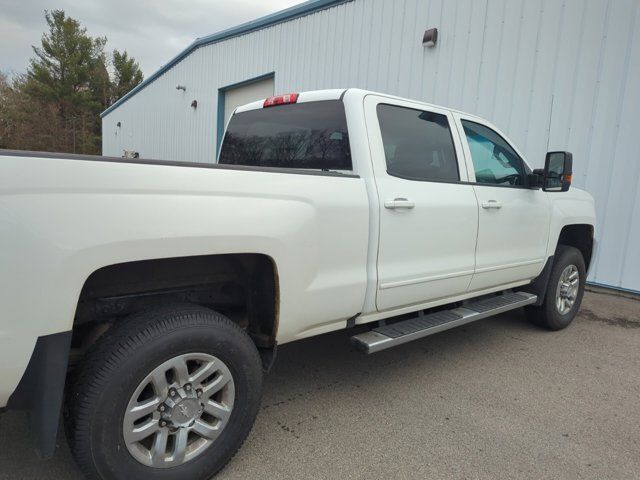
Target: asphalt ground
pixel 496 399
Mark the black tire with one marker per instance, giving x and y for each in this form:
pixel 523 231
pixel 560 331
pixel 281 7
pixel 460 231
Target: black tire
pixel 119 361
pixel 547 315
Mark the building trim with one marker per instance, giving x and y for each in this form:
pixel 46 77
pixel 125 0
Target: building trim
pixel 629 291
pixel 221 97
pixel 291 13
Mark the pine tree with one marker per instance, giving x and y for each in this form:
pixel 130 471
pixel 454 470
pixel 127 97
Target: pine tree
pixel 126 76
pixel 55 106
pixel 65 63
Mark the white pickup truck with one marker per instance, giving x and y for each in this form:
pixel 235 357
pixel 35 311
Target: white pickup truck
pixel 144 299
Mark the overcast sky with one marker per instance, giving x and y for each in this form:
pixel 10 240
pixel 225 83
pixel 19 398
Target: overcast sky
pixel 152 31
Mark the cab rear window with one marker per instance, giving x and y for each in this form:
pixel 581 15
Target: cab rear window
pixel 311 135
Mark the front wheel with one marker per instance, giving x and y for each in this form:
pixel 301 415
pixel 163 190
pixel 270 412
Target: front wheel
pixel 564 291
pixel 169 393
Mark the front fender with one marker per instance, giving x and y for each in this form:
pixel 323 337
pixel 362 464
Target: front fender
pixel 574 207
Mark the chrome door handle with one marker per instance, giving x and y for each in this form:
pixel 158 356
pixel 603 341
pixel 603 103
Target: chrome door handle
pixel 399 203
pixel 491 204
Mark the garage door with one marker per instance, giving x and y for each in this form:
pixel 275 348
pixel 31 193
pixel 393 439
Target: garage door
pixel 234 97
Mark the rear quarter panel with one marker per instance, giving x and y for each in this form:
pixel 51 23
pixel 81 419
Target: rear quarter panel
pixel 60 220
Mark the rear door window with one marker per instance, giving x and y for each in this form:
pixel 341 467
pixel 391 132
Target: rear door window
pixel 310 135
pixel 417 144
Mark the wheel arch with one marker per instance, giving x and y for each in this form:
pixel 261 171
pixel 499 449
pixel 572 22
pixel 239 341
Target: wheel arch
pixel 112 292
pixel 580 236
pixel 243 286
pixel 577 235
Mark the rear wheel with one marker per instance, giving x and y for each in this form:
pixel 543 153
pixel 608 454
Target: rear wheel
pixel 564 291
pixel 167 394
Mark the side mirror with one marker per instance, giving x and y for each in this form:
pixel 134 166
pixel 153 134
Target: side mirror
pixel 535 180
pixel 558 170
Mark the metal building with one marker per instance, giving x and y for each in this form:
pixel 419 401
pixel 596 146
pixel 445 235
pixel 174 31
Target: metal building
pixel 552 74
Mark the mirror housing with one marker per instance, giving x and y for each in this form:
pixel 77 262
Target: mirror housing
pixel 535 180
pixel 558 171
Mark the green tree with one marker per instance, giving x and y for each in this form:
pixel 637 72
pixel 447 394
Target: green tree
pixel 6 124
pixel 65 63
pixel 55 106
pixel 100 84
pixel 68 71
pixel 27 123
pixel 126 74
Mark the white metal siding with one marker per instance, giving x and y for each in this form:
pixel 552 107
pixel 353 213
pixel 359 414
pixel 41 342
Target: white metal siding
pixel 552 74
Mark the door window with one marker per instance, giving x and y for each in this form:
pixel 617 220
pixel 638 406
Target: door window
pixel 494 161
pixel 417 144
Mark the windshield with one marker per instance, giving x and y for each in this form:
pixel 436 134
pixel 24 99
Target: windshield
pixel 311 135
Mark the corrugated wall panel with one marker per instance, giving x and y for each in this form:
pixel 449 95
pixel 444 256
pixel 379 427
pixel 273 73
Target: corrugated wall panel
pixel 628 265
pixel 553 74
pixel 625 154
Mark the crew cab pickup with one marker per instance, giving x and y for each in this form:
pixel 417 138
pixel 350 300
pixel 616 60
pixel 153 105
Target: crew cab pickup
pixel 144 299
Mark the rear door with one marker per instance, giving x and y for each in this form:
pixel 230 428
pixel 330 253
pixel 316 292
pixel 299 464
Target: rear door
pixel 513 226
pixel 428 215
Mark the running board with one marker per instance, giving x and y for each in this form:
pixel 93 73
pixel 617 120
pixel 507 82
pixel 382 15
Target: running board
pixel 402 332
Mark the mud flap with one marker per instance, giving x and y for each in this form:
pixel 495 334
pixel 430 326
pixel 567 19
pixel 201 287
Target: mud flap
pixel 41 390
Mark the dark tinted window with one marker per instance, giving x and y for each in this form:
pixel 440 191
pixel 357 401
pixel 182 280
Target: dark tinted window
pixel 417 144
pixel 494 161
pixel 301 135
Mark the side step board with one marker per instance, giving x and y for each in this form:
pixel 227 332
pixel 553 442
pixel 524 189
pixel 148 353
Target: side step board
pixel 402 332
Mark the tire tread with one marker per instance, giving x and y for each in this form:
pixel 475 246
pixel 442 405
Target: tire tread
pixel 546 315
pixel 111 350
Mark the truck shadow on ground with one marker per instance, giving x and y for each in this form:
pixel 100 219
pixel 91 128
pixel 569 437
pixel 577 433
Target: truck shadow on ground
pixel 310 375
pixel 324 363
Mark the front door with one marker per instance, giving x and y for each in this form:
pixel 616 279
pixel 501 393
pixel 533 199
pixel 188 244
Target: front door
pixel 428 214
pixel 513 227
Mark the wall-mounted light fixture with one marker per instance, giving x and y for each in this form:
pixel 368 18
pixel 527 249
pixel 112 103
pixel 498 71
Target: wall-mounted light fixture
pixel 181 87
pixel 194 104
pixel 430 37
pixel 118 124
